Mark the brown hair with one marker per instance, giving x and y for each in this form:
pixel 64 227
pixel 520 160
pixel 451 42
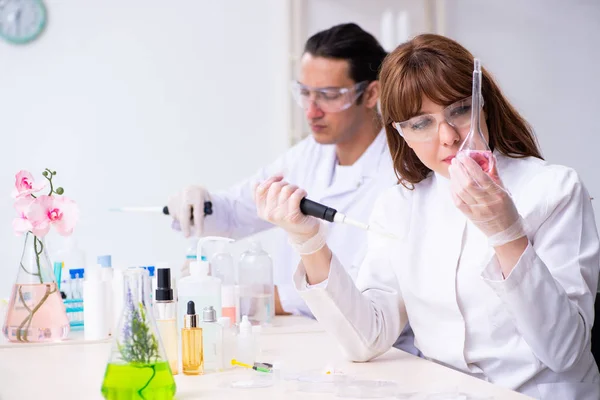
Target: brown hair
pixel 441 70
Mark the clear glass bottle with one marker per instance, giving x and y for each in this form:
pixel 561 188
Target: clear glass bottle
pixel 138 367
pixel 212 340
pixel 256 287
pixel 36 312
pixel 165 310
pixel 192 354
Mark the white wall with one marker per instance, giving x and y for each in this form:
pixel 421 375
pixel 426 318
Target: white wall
pixel 131 100
pixel 545 54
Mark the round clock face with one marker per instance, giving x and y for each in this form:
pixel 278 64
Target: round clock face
pixel 21 21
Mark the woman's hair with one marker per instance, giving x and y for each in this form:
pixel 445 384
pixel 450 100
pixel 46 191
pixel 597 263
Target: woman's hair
pixel 438 68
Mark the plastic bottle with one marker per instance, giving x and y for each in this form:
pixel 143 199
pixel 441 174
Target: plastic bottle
pixel 199 287
pixel 95 315
pixel 256 285
pixel 222 267
pixel 152 281
pixel 107 272
pixel 190 256
pixel 246 346
pixel 229 342
pixel 212 340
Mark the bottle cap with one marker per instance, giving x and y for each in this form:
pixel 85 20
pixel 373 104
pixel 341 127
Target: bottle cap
pixel 164 292
pixel 209 314
pixel 199 268
pixel 105 261
pixel 225 322
pixel 190 320
pixel 245 325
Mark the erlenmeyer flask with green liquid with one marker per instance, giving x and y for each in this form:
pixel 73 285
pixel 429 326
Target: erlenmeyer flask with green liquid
pixel 138 366
pixel 475 145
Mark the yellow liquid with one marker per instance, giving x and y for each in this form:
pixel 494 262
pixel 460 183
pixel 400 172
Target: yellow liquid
pixel 168 335
pixel 192 357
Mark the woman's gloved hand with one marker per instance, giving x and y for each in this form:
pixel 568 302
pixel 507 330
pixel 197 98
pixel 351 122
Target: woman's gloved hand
pixel 278 202
pixel 484 200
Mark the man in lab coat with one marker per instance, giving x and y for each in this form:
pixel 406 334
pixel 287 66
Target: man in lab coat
pixel 344 164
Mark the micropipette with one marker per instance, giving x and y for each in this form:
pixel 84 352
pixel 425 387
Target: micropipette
pixel 314 209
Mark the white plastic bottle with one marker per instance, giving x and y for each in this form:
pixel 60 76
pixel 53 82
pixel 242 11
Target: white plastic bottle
pixel 199 287
pixel 256 288
pixel 212 340
pixel 246 346
pixel 229 342
pixel 190 256
pixel 107 273
pixel 95 315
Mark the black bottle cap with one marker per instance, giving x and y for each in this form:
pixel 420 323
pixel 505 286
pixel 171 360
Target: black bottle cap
pixel 191 308
pixel 164 292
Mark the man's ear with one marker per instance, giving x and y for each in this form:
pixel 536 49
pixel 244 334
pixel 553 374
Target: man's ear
pixel 371 94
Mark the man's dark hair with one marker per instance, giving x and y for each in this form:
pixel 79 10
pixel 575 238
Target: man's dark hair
pixel 351 43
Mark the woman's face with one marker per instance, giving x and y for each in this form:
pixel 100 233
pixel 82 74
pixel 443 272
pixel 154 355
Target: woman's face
pixel 438 151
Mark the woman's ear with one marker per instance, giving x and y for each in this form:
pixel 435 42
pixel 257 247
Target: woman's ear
pixel 371 94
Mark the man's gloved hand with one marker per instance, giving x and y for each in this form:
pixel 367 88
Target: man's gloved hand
pixel 187 209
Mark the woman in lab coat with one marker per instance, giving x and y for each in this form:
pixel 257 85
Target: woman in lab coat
pixel 496 272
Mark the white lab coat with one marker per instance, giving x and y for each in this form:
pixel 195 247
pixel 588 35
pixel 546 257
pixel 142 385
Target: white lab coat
pixel 311 166
pixel 529 332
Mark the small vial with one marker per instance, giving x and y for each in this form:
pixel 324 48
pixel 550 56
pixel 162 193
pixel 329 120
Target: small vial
pixel 191 343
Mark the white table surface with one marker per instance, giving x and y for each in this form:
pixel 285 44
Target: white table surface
pixel 75 369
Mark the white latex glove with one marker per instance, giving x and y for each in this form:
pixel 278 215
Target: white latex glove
pixel 484 200
pixel 278 202
pixel 181 206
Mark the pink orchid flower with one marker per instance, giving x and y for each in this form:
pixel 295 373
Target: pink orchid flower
pixel 21 224
pixel 25 185
pixel 46 211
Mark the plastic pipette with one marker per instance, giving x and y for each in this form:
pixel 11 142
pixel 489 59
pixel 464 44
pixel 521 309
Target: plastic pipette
pixel 314 209
pixel 164 210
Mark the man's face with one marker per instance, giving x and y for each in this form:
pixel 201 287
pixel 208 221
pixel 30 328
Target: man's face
pixel 320 79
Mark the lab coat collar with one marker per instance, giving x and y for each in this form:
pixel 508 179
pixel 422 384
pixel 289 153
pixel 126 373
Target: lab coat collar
pixel 366 167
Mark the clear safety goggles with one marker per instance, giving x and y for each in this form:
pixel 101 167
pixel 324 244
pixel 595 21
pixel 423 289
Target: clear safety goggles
pixel 328 100
pixel 424 128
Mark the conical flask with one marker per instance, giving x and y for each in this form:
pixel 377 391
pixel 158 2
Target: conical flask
pixel 475 145
pixel 138 366
pixel 36 312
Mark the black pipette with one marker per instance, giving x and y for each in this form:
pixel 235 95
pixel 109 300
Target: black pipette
pixel 207 209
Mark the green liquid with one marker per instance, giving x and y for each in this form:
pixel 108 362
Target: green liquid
pixel 138 382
